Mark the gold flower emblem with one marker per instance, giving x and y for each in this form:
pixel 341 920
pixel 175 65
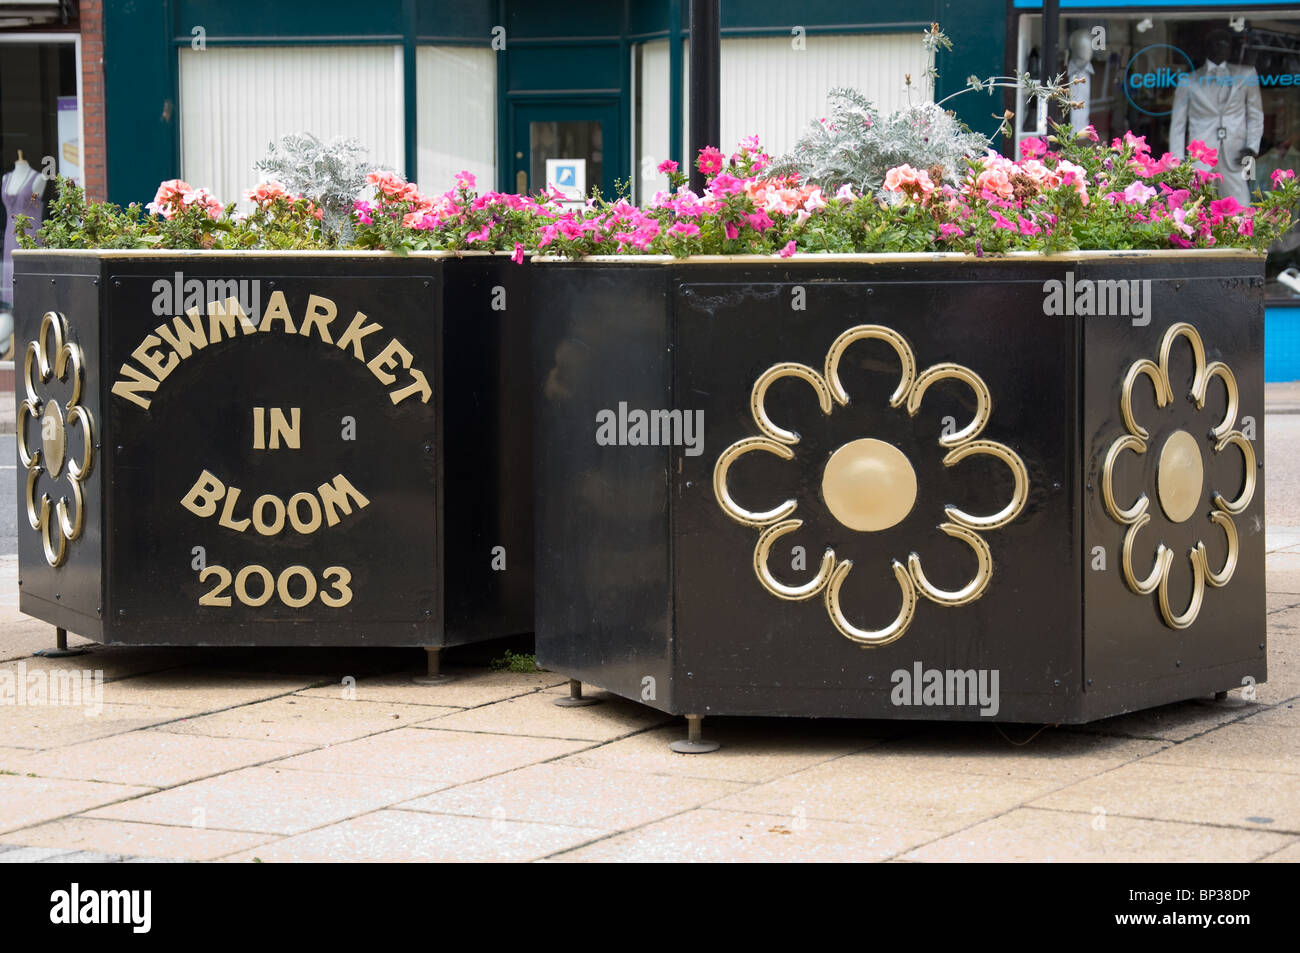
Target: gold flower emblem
pixel 869 485
pixel 1180 477
pixel 57 525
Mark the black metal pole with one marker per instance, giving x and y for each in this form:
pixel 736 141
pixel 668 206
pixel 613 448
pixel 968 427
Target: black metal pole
pixel 706 83
pixel 1051 47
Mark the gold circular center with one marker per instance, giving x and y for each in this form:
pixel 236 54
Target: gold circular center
pixel 54 437
pixel 869 485
pixel 1181 476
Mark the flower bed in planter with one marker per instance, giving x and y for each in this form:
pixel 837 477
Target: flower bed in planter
pixel 902 486
pixel 272 448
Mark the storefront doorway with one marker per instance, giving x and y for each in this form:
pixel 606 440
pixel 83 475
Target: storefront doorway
pixel 573 144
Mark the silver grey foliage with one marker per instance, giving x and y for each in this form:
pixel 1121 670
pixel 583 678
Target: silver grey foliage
pixel 332 174
pixel 856 143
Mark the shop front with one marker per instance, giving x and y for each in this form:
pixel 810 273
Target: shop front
pixel 1224 73
pixel 40 123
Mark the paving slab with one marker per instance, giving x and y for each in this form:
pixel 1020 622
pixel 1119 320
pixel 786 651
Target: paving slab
pixel 1244 746
pixel 1013 751
pixel 24 635
pixel 25 801
pixel 414 837
pixel 861 790
pixel 1176 722
pixel 308 720
pixel 449 757
pixel 710 835
pixel 573 796
pixel 1035 835
pixel 1289 854
pixel 30 855
pixel 50 726
pixel 1282 572
pixel 752 749
pixel 537 714
pixel 469 688
pixel 197 687
pixel 1254 800
pixel 267 800
pixel 153 758
pixel 140 840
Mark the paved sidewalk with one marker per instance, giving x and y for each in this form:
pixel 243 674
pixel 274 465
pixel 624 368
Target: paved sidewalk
pixel 273 755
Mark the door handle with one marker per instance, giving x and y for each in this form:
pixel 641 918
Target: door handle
pixel 521 182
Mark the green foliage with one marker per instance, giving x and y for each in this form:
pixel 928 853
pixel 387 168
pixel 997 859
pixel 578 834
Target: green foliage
pixel 75 223
pixel 515 662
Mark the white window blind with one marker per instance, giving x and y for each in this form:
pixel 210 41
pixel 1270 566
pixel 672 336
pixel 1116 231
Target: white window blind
pixel 235 101
pixel 457 129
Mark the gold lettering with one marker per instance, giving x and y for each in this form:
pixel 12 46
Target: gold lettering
pixel 336 494
pixel 228 512
pixel 320 313
pixel 387 359
pixel 421 387
pixel 188 337
pixel 259 427
pixel 312 523
pixel 259 521
pixel 357 330
pixel 153 360
pixel 138 382
pixel 277 310
pixel 221 319
pixel 203 496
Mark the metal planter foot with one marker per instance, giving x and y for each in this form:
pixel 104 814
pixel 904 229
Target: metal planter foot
pixel 693 743
pixel 575 698
pixel 60 649
pixel 434 676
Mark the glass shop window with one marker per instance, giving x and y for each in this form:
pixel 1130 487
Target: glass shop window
pixel 1230 80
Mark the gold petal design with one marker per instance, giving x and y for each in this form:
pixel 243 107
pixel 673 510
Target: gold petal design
pixel 72 527
pixel 1183 329
pixel 1238 440
pixel 759 395
pixel 1198 593
pixel 1223 372
pixel 55 556
pixel 31 362
pixel 70 353
pixel 973 589
pixel 79 471
pixel 730 506
pixel 27 409
pixel 875 332
pixel 1163 396
pixel 1159 569
pixel 1018 496
pixel 1134 512
pixel 771 583
pixel 34 518
pixel 1224 575
pixel 870 638
pixel 945 371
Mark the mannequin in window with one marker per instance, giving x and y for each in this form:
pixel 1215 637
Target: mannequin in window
pixel 1079 69
pixel 1220 105
pixel 21 190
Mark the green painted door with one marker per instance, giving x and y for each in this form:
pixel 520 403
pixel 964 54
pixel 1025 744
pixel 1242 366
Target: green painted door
pixel 580 136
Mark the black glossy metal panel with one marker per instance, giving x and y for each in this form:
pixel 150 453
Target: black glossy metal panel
pixel 973 559
pixel 604 611
pixel 1133 658
pixel 283 480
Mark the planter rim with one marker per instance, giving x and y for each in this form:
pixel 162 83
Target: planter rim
pixel 798 258
pixel 896 257
pixel 251 253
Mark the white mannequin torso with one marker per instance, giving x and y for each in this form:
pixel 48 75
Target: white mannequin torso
pixel 22 176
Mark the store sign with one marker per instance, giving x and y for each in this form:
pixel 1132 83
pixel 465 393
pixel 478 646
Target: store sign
pixel 278 462
pixel 569 176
